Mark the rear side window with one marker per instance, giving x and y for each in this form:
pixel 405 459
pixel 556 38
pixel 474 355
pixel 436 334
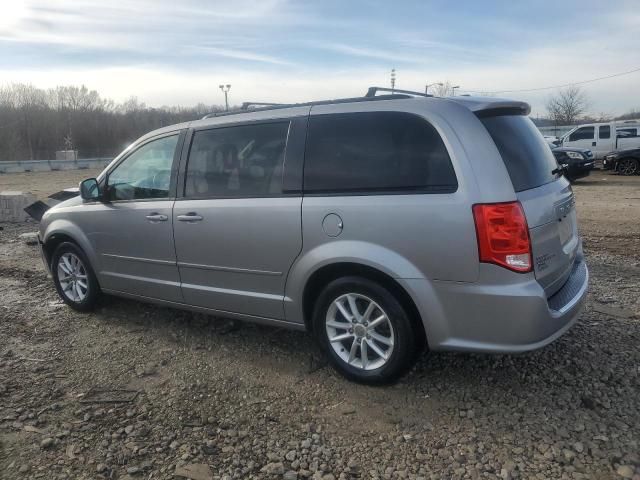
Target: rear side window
pixel 525 153
pixel 583 133
pixel 375 152
pixel 239 161
pixel 604 131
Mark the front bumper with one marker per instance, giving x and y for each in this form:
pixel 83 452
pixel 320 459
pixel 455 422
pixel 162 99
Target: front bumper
pixel 43 255
pixel 497 315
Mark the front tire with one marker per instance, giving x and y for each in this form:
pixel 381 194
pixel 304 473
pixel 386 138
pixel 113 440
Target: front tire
pixel 73 277
pixel 628 166
pixel 364 330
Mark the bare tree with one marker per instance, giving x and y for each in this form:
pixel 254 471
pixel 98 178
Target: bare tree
pixel 34 123
pixel 443 90
pixel 567 105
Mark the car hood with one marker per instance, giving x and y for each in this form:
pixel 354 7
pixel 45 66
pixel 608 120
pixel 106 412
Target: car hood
pixel 570 149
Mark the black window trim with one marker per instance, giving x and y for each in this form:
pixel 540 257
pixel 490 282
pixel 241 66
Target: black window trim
pixel 600 129
pixel 181 133
pixel 383 191
pixel 288 158
pixel 583 128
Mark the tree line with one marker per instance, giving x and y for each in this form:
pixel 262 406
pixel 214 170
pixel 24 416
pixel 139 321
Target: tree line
pixel 35 122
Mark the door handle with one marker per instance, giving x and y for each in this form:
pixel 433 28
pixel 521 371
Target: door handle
pixel 157 217
pixel 593 144
pixel 189 217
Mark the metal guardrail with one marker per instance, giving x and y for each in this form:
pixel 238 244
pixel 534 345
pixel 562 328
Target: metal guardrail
pixel 52 165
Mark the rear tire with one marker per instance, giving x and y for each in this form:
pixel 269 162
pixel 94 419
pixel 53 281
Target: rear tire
pixel 365 331
pixel 74 278
pixel 628 166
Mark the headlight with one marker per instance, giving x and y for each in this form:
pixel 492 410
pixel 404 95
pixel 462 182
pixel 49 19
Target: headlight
pixel 575 155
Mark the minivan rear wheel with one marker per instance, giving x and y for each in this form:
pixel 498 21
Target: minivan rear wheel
pixel 364 330
pixel 73 277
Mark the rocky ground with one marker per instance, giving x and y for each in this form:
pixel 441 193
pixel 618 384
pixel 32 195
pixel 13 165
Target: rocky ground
pixel 205 398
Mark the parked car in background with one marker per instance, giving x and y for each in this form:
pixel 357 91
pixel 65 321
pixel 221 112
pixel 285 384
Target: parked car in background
pixel 604 138
pixel 625 162
pixel 381 224
pixel 576 162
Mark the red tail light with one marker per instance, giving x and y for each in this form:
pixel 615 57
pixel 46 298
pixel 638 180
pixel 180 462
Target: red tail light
pixel 503 235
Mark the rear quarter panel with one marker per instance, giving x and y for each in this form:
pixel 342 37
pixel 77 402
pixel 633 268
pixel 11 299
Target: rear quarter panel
pixel 407 236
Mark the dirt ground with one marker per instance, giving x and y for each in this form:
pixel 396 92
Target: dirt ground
pixel 218 400
pixel 43 184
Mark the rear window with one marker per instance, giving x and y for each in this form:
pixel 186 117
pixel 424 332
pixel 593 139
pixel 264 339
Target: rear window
pixel 376 152
pixel 524 151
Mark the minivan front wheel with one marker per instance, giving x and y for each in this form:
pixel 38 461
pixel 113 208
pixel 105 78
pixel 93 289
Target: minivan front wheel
pixel 73 277
pixel 364 330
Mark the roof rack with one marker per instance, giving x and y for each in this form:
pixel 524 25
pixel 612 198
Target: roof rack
pixel 369 97
pixel 246 105
pixel 371 93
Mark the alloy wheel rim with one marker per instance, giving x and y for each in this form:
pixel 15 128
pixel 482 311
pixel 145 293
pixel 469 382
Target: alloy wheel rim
pixel 359 331
pixel 628 167
pixel 72 276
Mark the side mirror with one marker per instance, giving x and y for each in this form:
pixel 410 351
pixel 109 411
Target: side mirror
pixel 89 189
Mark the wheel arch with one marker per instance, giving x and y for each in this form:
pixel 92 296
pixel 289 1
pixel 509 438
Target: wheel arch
pixel 63 231
pixel 327 273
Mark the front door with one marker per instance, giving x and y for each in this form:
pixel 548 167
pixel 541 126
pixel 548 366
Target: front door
pixel 583 137
pixel 236 233
pixel 132 228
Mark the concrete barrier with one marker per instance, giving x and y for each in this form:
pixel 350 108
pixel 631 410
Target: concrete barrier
pixel 12 205
pixel 49 165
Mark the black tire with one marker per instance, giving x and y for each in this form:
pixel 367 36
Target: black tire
pixel 93 289
pixel 628 166
pixel 405 347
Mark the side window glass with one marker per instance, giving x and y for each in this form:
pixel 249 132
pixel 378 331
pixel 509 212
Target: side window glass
pixel 584 133
pixel 375 151
pixel 241 161
pixel 146 173
pixel 604 132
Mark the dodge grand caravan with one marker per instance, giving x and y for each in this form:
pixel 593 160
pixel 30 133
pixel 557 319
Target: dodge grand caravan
pixel 382 224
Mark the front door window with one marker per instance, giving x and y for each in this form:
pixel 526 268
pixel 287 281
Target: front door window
pixel 146 173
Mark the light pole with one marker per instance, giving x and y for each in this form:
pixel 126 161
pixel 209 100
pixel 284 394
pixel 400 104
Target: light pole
pixel 426 87
pixel 393 80
pixel 225 89
pixel 453 90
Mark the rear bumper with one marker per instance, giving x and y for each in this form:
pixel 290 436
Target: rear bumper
pixel 500 316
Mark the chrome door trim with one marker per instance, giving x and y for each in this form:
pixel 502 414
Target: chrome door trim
pixel 227 269
pixel 139 259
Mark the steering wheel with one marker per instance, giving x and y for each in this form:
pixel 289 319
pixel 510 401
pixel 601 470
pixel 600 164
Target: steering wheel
pixel 161 180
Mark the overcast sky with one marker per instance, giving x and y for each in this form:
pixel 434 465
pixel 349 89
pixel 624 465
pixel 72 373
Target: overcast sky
pixel 170 52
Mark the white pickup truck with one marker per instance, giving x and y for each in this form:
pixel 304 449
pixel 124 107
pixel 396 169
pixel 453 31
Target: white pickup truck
pixel 603 138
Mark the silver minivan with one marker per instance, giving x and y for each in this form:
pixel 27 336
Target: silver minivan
pixel 382 224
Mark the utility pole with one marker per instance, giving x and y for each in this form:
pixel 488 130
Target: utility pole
pixel 225 89
pixel 426 87
pixel 393 80
pixel 453 90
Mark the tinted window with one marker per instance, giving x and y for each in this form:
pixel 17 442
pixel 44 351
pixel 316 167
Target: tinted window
pixel 146 173
pixel 237 161
pixel 626 132
pixel 526 155
pixel 604 131
pixel 375 151
pixel 583 133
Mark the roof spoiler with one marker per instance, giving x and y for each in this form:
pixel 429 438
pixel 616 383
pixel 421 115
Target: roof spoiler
pixel 491 107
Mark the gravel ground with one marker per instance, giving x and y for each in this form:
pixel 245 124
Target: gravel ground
pixel 216 399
